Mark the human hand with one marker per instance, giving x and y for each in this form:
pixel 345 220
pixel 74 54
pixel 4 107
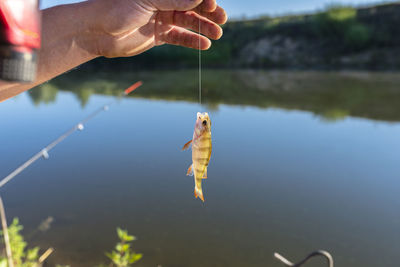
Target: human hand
pixel 122 28
pixel 77 33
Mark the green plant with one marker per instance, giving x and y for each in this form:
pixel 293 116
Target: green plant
pixel 334 21
pixel 357 35
pixel 20 256
pixel 341 13
pixel 123 255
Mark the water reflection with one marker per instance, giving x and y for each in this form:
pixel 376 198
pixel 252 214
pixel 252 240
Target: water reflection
pixel 46 93
pixel 278 181
pixel 330 95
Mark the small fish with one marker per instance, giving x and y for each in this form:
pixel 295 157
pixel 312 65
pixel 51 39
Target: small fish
pixel 201 151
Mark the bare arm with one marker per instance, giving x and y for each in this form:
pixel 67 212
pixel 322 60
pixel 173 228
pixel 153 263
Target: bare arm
pixel 74 34
pixel 62 46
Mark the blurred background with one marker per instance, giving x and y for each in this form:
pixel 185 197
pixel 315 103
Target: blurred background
pixel 304 99
pixel 288 34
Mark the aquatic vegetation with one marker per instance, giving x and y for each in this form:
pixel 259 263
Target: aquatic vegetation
pixel 21 256
pixel 123 255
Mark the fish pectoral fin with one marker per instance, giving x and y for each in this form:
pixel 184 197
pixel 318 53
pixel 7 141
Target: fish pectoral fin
pixel 187 145
pixel 190 171
pixel 204 175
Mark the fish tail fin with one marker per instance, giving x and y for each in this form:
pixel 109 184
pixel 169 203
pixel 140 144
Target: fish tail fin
pixel 198 193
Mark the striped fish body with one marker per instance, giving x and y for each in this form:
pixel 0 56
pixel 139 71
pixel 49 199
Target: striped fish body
pixel 201 152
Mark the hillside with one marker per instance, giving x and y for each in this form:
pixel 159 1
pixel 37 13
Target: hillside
pixel 340 37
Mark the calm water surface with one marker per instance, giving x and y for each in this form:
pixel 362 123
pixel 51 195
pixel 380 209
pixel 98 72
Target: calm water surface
pixel 301 161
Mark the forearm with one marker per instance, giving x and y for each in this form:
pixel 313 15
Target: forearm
pixel 75 34
pixel 66 42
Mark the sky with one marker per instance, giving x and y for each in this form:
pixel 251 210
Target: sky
pixel 253 8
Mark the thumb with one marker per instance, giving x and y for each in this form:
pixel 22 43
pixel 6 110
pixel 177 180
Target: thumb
pixel 178 5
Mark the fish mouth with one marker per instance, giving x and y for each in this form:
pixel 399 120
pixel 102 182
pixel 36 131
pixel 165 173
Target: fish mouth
pixel 203 120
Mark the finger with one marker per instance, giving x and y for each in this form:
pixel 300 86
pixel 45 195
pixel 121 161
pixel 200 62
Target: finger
pixel 168 5
pixel 191 20
pixel 218 15
pixel 182 37
pixel 207 6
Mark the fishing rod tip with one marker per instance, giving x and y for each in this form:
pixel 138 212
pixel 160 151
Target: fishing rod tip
pixel 133 87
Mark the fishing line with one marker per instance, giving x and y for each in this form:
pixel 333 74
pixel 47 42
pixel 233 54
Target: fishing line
pixel 80 126
pixel 199 61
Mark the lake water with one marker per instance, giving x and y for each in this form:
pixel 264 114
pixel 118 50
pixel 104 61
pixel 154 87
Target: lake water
pixel 301 161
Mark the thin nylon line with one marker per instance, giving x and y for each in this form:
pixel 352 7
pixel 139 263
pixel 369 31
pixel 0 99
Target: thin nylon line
pixel 199 62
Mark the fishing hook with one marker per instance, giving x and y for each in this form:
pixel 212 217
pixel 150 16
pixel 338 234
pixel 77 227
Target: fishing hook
pixel 322 253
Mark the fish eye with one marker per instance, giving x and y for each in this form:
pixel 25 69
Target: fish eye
pixel 204 122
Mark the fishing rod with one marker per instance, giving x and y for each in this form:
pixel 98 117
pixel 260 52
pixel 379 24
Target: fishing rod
pixel 78 127
pixel 322 253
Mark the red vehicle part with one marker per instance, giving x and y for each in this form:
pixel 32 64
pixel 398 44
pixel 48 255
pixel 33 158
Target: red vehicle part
pixel 19 39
